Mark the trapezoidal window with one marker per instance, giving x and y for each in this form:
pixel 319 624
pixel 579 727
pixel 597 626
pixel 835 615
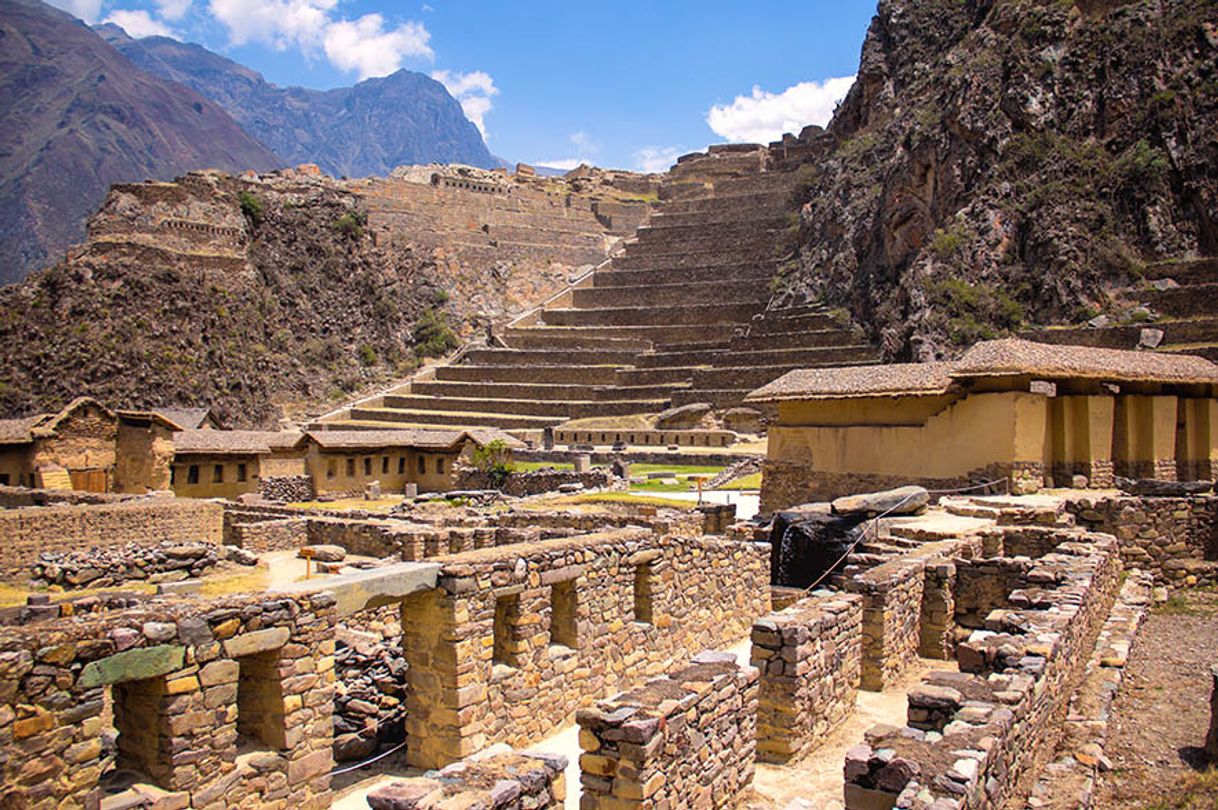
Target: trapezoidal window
pixel 192 474
pixel 508 644
pixel 350 468
pixel 440 466
pixel 401 465
pixel 217 474
pixel 331 469
pixel 367 466
pixel 385 465
pixel 564 614
pixel 422 465
pixel 242 472
pixel 644 593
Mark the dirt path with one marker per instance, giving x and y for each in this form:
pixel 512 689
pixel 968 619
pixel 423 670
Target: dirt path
pixel 1161 715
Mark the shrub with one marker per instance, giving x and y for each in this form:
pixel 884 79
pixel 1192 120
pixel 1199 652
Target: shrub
pixel 252 207
pixel 367 355
pixel 494 459
pixel 352 224
pixel 974 312
pixel 433 337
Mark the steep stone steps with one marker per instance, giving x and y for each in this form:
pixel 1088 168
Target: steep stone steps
pixel 557 409
pixel 774 209
pixel 543 391
pixel 1175 332
pixel 686 358
pixel 655 334
pixel 569 340
pixel 524 373
pixel 749 378
pixel 738 242
pixel 614 277
pixel 635 259
pixel 693 314
pixel 736 206
pixel 813 321
pixel 663 232
pixel 670 294
pixel 507 421
pixel 804 357
pixel 813 338
pixel 673 375
pixel 1207 350
pixel 552 357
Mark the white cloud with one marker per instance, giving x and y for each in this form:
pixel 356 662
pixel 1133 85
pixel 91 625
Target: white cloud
pixel 566 164
pixel 138 23
pixel 473 90
pixel 763 117
pixel 173 9
pixel 364 45
pixel 656 159
pixel 87 10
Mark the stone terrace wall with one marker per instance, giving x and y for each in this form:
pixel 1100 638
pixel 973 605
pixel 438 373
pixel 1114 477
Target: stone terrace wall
pixel 810 659
pixel 536 482
pixel 515 639
pixel 977 737
pixel 686 740
pixel 1173 538
pixel 187 681
pixel 892 609
pixel 269 535
pixel 29 532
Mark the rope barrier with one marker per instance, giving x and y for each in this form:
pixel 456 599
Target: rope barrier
pixel 368 762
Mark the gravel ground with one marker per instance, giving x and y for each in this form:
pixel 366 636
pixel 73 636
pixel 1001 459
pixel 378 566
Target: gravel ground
pixel 1161 715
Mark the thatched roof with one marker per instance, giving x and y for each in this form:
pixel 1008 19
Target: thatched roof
pixel 377 439
pixel 992 358
pixel 896 380
pixel 43 425
pixel 233 442
pixel 1014 357
pixel 20 431
pixel 185 418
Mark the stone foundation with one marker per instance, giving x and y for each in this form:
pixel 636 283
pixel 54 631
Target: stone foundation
pixel 892 606
pixel 503 780
pixel 685 740
pixel 810 659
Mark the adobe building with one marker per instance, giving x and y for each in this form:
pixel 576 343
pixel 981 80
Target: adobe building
pixel 289 465
pixel 1034 414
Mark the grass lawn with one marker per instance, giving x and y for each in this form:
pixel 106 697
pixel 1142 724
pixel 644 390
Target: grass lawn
pixel 347 504
pixel 748 482
pixel 609 498
pixel 530 466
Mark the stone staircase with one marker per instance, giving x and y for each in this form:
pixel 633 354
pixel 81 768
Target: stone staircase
pixel 679 316
pixel 1179 301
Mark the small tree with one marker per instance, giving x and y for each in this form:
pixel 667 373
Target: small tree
pixel 495 460
pixel 252 207
pixel 433 337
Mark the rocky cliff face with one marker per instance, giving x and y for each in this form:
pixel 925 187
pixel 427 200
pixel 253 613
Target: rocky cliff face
pixel 361 131
pixel 247 294
pixel 1001 162
pixel 77 116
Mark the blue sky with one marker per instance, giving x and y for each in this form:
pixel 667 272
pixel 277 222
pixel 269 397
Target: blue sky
pixel 628 84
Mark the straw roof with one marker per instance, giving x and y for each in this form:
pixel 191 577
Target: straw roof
pixel 233 442
pixel 185 418
pixel 992 358
pixel 20 431
pixel 375 439
pixel 43 425
pixel 1011 357
pixel 896 380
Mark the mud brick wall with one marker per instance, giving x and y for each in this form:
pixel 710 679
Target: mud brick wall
pixel 686 740
pixel 810 659
pixel 187 682
pixel 269 535
pixel 977 737
pixel 1173 538
pixel 504 780
pixel 29 532
pixel 515 639
pixel 892 609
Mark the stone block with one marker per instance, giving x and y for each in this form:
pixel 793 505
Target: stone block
pixel 132 665
pixel 258 641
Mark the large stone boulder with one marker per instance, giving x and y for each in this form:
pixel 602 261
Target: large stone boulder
pixel 743 420
pixel 687 417
pixel 326 553
pixel 900 501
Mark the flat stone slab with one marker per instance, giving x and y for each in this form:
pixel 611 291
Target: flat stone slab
pixel 132 665
pixel 375 587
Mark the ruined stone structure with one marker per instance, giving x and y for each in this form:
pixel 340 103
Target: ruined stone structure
pixel 680 316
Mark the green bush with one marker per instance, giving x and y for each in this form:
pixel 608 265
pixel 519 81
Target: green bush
pixel 252 207
pixel 433 337
pixel 974 312
pixel 367 355
pixel 495 459
pixel 352 224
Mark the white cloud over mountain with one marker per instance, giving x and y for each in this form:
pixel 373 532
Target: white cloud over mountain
pixel 762 116
pixel 656 159
pixel 138 23
pixel 473 90
pixel 87 10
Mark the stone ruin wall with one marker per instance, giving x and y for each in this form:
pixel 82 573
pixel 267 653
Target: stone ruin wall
pixel 521 637
pixel 188 682
pixel 29 531
pixel 685 740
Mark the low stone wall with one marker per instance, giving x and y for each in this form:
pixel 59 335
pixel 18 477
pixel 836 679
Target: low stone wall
pixel 687 740
pixel 499 779
pixel 515 639
pixel 286 488
pixel 1173 538
pixel 31 531
pixel 977 737
pixel 654 438
pixel 17 497
pixel 114 565
pixel 536 482
pixel 892 609
pixel 187 682
pixel 269 535
pixel 810 659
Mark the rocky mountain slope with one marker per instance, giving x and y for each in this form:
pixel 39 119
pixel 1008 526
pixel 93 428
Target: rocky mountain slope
pixel 77 116
pixel 1006 162
pixel 245 294
pixel 369 129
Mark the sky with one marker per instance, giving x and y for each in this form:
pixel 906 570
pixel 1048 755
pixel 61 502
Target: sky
pixel 631 85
